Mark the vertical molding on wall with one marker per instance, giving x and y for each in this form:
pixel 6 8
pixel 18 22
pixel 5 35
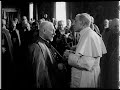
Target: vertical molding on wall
pixel 0 42
pixel 54 10
pixel 36 11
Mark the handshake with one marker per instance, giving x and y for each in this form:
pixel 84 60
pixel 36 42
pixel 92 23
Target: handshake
pixel 67 53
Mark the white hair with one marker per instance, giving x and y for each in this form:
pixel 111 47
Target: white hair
pixel 85 18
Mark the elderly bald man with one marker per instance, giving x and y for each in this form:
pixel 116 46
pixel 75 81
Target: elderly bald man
pixel 43 65
pixel 85 60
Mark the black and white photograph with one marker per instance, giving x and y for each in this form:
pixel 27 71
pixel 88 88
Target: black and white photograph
pixel 59 44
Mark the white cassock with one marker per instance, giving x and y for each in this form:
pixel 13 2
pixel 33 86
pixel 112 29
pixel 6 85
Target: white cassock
pixel 86 60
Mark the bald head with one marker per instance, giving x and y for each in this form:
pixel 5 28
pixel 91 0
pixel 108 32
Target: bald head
pixel 46 25
pixel 115 24
pixel 47 30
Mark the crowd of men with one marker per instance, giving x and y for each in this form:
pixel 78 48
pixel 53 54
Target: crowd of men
pixel 47 54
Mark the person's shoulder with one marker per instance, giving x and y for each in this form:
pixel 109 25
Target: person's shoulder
pixel 89 31
pixel 33 46
pixel 92 33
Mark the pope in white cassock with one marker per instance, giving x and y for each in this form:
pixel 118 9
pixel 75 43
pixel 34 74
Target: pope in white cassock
pixel 85 61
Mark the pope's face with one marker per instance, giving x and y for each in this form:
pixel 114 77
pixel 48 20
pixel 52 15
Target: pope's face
pixel 77 24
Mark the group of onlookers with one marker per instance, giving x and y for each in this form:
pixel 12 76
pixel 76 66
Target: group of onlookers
pixel 48 54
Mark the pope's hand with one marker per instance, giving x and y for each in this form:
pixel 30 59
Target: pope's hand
pixel 67 53
pixel 72 59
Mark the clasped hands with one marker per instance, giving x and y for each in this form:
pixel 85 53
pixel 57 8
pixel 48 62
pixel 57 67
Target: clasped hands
pixel 68 52
pixel 66 55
